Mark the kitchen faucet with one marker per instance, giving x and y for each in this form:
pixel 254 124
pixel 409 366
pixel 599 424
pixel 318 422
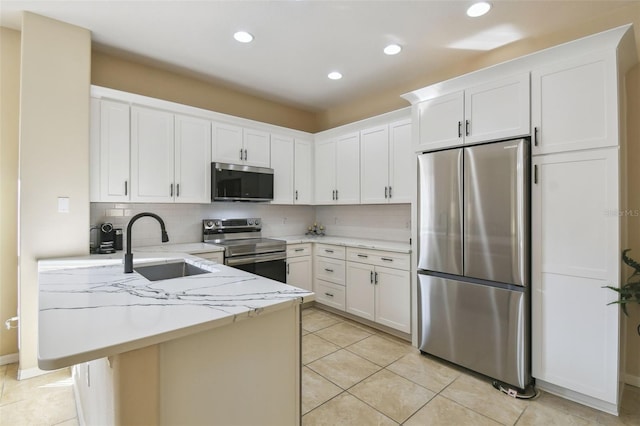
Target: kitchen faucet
pixel 128 257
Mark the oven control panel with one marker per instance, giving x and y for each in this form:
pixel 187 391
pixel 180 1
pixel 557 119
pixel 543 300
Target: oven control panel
pixel 219 226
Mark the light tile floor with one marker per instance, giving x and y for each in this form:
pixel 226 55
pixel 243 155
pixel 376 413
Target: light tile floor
pixel 355 375
pixel 352 375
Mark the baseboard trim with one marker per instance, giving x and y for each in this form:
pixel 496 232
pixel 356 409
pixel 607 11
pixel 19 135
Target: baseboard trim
pixel 589 401
pixel 632 380
pixel 28 373
pixel 8 359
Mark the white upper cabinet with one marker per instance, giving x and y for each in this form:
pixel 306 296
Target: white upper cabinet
pixel 152 154
pixel 440 122
pixel 192 160
pixel 110 159
pixel 491 111
pixel 385 164
pixel 226 143
pixel 574 104
pixel 303 172
pixel 325 174
pixel 256 148
pixel 338 170
pixel 374 165
pixel 282 163
pixel 237 145
pixel 497 110
pixel 348 169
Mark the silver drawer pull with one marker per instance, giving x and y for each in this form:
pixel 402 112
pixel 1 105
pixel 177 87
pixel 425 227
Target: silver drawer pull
pixel 328 270
pixel 328 294
pixel 387 259
pixel 328 251
pixel 299 249
pixel 363 255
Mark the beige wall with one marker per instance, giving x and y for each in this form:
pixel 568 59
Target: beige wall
pixel 117 73
pixel 54 158
pixel 9 104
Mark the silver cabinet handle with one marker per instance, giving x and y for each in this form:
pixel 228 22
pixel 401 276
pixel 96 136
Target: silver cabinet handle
pixel 371 277
pixel 389 192
pixel 466 127
pixel 386 191
pixel 375 281
pixel 535 136
pixel 328 251
pixel 240 154
pixel 535 174
pixel 387 259
pixel 328 294
pixel 363 255
pixel 245 155
pixel 171 190
pixel 336 195
pixel 299 249
pixel 333 195
pixel 296 195
pixel 288 269
pixel 177 190
pixel 328 270
pixel 459 129
pixel 126 187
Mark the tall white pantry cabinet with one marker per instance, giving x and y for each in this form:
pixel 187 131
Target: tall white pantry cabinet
pixel 578 198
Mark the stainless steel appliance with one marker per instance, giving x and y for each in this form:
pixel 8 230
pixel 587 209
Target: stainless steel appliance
pixel 236 182
pixel 474 257
pixel 106 239
pixel 245 248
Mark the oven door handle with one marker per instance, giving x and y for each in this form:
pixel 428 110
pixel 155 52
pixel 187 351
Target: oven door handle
pixel 258 258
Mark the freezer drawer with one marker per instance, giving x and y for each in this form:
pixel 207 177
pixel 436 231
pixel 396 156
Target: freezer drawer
pixel 479 327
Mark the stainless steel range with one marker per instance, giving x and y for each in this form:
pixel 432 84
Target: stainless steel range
pixel 244 247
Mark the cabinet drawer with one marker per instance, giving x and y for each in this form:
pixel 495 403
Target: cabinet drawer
pixel 387 259
pixel 330 294
pixel 332 270
pixel 326 250
pixel 295 250
pixel 215 256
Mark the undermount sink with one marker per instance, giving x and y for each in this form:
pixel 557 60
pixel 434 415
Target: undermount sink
pixel 166 271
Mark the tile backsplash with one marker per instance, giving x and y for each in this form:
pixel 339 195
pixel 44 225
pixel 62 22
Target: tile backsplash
pixel 184 221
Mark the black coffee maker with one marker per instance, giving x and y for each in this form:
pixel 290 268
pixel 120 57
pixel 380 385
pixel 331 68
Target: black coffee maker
pixel 108 239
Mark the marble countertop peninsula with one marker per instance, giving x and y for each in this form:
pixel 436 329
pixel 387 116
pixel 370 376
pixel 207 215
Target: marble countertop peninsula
pixel 89 308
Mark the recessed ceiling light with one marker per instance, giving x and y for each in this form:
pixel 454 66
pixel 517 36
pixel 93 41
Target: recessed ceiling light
pixel 243 37
pixel 478 9
pixel 334 75
pixel 392 49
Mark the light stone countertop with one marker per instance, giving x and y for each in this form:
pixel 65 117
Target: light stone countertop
pixel 350 242
pixel 191 248
pixel 89 308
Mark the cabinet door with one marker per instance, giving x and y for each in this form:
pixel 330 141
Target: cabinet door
pixel 497 110
pixel 374 165
pixel 574 104
pixel 325 172
pixel 303 170
pixel 226 144
pixel 348 169
pixel 440 122
pixel 393 298
pixel 151 155
pixel 115 183
pixel 192 160
pixel 299 272
pixel 402 181
pixel 360 290
pixel 282 165
pixel 257 148
pixel 576 249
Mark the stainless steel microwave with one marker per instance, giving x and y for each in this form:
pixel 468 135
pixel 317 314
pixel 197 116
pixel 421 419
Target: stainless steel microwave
pixel 237 182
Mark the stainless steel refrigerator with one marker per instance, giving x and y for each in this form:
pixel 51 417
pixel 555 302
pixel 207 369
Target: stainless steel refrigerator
pixel 474 261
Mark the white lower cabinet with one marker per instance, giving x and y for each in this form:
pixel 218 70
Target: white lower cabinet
pixel 576 230
pixel 329 277
pixel 299 266
pixel 379 293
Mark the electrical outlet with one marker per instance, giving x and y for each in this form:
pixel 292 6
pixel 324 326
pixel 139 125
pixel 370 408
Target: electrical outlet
pixel 63 204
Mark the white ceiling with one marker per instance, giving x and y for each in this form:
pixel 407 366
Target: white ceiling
pixel 297 43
